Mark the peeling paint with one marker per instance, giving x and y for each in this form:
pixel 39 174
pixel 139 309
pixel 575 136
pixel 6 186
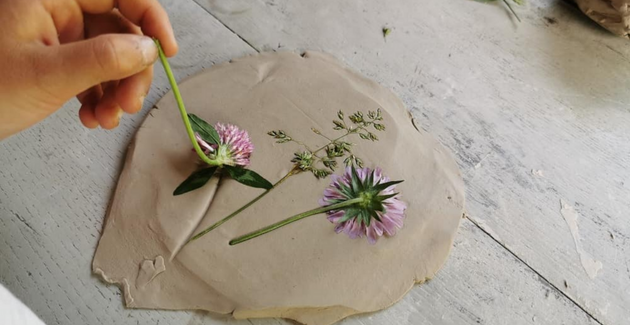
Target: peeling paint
pixel 590 265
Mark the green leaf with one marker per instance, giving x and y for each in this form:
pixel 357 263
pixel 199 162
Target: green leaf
pixel 349 214
pixel 195 180
pixel 205 130
pixel 379 127
pixel 356 181
pixel 248 177
pixel 384 186
pixel 359 162
pixel 346 191
pixel 369 180
pixel 382 198
pixel 386 31
pixel 339 125
pixel 374 215
pixel 365 216
pixel 321 173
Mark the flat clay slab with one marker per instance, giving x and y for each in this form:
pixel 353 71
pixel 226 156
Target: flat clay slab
pixel 304 271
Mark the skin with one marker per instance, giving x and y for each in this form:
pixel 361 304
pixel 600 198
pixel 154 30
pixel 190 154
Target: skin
pixel 99 51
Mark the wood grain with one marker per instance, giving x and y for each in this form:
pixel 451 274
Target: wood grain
pixel 506 98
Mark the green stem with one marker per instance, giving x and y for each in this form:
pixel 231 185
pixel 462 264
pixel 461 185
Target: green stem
pixel 290 220
pixel 182 108
pixel 302 144
pixel 241 209
pixel 333 141
pixel 325 137
pixel 512 10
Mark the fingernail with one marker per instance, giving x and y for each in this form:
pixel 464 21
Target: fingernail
pixel 141 101
pixel 119 114
pixel 148 49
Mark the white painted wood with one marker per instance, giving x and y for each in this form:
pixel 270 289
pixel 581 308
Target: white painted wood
pixel 549 94
pixel 56 179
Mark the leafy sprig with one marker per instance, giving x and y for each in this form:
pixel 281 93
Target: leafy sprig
pixel 323 161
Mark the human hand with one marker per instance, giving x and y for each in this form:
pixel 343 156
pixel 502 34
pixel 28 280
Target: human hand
pixel 53 50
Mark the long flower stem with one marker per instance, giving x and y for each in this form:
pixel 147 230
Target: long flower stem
pixel 241 209
pixel 182 108
pixel 295 218
pixel 333 141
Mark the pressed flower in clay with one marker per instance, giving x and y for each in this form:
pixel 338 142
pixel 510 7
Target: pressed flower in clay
pixel 234 148
pixel 222 148
pixel 361 202
pixel 385 217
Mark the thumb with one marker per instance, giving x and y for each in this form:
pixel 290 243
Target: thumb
pixel 75 67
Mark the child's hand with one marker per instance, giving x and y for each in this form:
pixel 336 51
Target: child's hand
pixel 53 50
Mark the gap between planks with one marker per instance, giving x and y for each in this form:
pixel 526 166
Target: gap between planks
pixel 542 277
pixel 226 26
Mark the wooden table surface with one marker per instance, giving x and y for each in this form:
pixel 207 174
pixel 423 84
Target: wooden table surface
pixel 535 112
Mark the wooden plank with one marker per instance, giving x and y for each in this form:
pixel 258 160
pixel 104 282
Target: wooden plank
pixel 535 112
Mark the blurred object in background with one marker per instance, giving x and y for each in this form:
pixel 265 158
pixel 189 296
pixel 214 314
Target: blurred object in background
pixel 611 14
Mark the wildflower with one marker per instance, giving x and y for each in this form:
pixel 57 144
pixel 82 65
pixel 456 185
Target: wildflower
pixel 234 148
pixel 381 211
pixel 361 202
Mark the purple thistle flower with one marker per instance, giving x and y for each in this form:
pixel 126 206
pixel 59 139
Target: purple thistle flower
pixel 235 146
pixel 380 213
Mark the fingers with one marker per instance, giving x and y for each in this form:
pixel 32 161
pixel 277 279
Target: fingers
pixel 152 18
pixel 88 100
pixel 109 23
pixel 131 91
pixel 147 14
pixel 107 110
pixel 71 68
pixel 68 20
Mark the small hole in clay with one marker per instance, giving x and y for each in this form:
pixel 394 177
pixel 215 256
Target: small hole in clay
pixel 303 54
